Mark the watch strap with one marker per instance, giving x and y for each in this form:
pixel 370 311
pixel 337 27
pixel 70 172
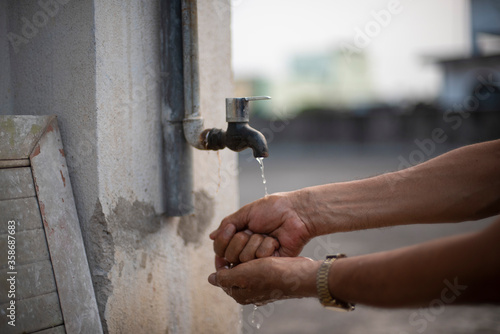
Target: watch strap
pixel 324 295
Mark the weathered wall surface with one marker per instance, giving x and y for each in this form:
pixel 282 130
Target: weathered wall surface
pixel 95 64
pixel 52 70
pixel 5 84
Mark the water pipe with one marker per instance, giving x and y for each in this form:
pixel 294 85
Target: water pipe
pixel 193 122
pixel 182 123
pixel 239 134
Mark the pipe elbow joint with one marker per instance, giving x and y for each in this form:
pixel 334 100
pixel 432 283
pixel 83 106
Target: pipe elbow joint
pixel 193 132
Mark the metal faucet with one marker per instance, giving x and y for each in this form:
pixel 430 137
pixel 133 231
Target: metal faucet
pixel 239 135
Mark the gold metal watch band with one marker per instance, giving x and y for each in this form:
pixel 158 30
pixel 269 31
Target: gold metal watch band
pixel 324 295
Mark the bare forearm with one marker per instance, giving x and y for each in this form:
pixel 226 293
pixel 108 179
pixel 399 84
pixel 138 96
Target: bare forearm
pixel 459 269
pixel 460 185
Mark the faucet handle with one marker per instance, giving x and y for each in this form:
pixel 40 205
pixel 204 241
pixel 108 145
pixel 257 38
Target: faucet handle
pixel 237 108
pixel 257 98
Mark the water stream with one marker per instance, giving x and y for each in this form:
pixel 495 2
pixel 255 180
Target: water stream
pixel 261 163
pixel 255 323
pixel 264 182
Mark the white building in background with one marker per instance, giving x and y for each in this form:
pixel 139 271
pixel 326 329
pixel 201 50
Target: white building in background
pixel 316 81
pixel 325 81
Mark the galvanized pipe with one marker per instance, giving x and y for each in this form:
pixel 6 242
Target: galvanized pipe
pixel 193 122
pixel 177 153
pixel 181 117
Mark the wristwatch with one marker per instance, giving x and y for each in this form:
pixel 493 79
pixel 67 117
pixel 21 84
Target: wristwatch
pixel 324 295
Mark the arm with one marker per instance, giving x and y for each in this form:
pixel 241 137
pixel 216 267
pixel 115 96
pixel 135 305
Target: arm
pixel 416 275
pixel 458 269
pixel 460 185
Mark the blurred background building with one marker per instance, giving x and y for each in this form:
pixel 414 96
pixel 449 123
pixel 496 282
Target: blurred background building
pixel 371 71
pixel 361 88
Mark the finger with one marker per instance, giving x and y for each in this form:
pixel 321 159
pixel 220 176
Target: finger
pixel 219 279
pixel 235 282
pixel 267 247
pixel 222 240
pixel 220 263
pixel 236 245
pixel 248 253
pixel 232 278
pixel 212 279
pixel 214 233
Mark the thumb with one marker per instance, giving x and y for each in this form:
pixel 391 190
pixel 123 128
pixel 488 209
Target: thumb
pixel 212 279
pixel 220 278
pixel 220 263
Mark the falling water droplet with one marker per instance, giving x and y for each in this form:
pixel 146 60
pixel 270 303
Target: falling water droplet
pixel 254 309
pixel 254 322
pixel 219 173
pixel 261 163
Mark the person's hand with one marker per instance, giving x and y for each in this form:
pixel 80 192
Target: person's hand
pixel 266 227
pixel 266 280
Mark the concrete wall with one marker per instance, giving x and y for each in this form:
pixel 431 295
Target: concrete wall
pixel 5 84
pixel 95 64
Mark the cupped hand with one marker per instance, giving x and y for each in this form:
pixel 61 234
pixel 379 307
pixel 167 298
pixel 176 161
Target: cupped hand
pixel 261 281
pixel 266 227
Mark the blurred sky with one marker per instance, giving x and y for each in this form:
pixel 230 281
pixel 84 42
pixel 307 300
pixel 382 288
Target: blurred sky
pixel 265 33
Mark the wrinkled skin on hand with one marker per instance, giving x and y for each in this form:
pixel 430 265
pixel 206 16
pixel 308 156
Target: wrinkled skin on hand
pixel 269 226
pixel 261 281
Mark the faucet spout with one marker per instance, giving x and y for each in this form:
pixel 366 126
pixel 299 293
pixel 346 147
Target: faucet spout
pixel 239 136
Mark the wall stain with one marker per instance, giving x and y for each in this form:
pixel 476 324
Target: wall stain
pixel 132 223
pixel 9 127
pixel 192 228
pixel 35 129
pixel 36 152
pixel 120 268
pixel 63 178
pixel 125 228
pixel 144 260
